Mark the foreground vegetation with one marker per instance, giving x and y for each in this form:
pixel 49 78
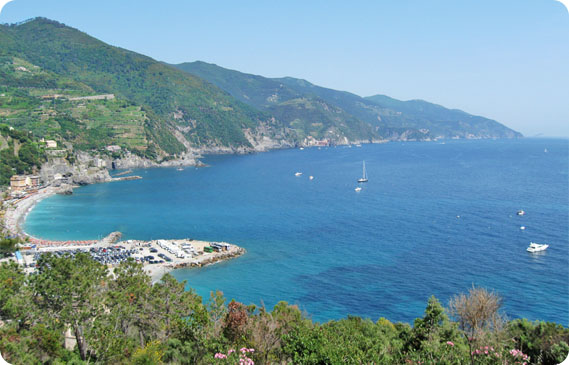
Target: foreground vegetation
pixel 126 319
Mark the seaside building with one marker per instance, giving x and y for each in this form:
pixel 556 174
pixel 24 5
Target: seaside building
pixel 20 183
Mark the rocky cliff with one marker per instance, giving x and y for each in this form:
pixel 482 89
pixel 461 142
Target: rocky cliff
pixel 84 170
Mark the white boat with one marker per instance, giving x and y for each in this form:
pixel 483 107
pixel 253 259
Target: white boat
pixel 180 169
pixel 311 177
pixel 358 189
pixel 364 174
pixel 536 247
pixel 523 228
pixel 521 212
pixel 298 174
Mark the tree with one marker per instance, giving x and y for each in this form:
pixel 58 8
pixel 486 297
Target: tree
pixel 175 302
pixel 8 245
pixel 12 280
pixel 235 321
pixel 478 314
pixel 69 290
pixel 130 296
pixel 266 330
pixel 477 311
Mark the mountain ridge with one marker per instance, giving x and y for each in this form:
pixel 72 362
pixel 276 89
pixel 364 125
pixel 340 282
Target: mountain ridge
pixel 52 77
pixel 390 123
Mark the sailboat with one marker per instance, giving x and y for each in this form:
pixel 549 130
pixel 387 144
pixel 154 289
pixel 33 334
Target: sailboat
pixel 364 175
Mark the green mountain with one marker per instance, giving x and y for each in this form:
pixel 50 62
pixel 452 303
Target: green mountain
pixel 391 118
pixel 306 113
pixel 46 67
pixel 62 84
pixel 440 120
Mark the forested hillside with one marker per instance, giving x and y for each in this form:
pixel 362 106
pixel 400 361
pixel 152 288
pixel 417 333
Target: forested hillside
pixel 20 153
pixel 391 118
pixel 63 84
pixel 155 105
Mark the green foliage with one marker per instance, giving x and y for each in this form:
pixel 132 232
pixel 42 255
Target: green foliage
pixel 60 59
pixel 300 103
pixel 8 245
pixel 127 319
pixel 12 278
pixel 301 110
pixel 544 342
pixel 20 153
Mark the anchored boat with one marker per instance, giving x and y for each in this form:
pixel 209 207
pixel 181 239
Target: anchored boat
pixel 536 247
pixel 364 174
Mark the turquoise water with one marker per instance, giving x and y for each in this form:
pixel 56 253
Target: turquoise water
pixel 433 219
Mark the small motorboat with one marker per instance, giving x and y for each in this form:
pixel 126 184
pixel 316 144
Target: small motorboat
pixel 311 177
pixel 537 247
pixel 180 169
pixel 521 212
pixel 298 174
pixel 523 228
pixel 358 189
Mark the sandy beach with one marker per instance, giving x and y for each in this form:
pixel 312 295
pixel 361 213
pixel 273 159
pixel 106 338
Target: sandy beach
pixel 157 256
pixel 17 210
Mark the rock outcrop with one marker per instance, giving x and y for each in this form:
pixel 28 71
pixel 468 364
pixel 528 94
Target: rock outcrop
pixel 85 170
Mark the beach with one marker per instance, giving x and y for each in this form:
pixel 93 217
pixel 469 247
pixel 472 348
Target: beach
pixel 157 256
pixel 18 209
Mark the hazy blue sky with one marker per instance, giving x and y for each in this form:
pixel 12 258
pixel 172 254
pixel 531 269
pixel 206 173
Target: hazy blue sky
pixel 503 59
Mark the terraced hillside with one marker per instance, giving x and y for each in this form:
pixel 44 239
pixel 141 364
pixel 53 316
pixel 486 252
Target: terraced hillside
pixel 156 107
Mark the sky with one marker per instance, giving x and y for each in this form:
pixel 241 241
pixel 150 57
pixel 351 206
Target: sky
pixel 502 59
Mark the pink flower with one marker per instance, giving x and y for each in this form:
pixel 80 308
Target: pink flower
pixel 486 348
pixel 230 352
pixel 486 352
pixel 251 350
pixel 491 348
pixel 220 356
pixel 243 350
pixel 450 343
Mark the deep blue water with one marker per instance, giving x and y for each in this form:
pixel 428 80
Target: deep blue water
pixel 433 219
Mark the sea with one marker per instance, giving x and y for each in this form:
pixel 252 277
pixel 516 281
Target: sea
pixel 435 218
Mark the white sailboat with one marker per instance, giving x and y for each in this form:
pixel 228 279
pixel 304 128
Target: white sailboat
pixel 364 174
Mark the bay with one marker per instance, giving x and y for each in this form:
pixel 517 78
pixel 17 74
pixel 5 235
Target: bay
pixel 434 219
